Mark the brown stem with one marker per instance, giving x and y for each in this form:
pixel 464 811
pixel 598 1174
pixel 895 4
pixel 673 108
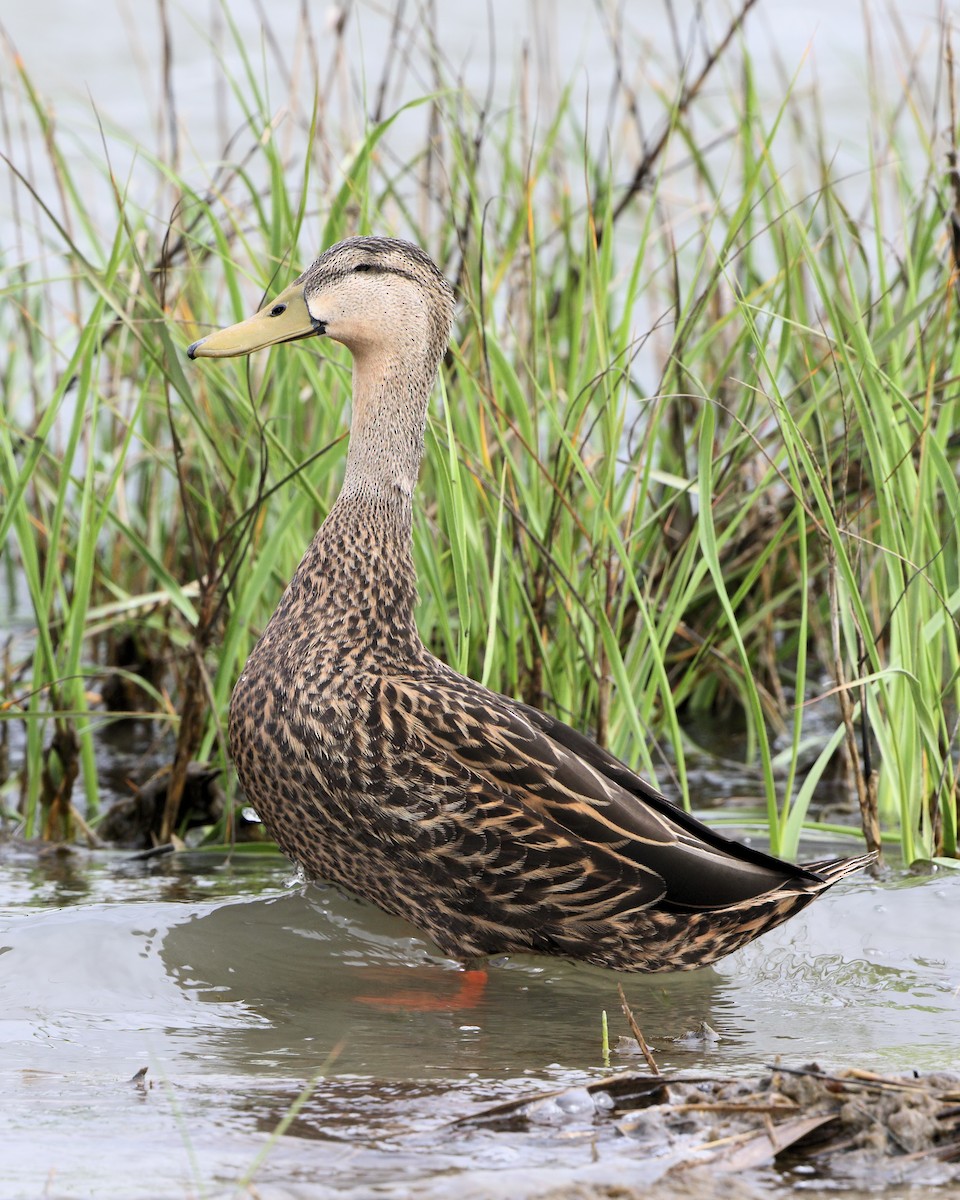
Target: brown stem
pixel 603 662
pixel 57 782
pixel 865 783
pixel 689 93
pixel 192 709
pixel 635 1030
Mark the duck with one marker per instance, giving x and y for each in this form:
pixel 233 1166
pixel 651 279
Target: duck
pixel 492 827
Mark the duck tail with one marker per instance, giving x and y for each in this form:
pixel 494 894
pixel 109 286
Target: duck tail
pixel 830 870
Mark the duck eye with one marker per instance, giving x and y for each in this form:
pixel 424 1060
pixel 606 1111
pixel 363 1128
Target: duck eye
pixel 363 267
pixel 277 310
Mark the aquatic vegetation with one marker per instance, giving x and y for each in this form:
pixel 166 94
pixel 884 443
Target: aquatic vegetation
pixel 695 459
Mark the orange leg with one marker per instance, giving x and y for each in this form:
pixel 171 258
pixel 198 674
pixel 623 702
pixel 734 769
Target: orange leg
pixel 470 988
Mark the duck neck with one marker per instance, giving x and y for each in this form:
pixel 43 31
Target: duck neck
pixel 386 433
pixel 359 569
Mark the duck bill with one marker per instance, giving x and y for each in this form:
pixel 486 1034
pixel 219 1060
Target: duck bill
pixel 285 319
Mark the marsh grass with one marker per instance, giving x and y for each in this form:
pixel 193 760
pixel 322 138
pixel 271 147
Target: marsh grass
pixel 680 467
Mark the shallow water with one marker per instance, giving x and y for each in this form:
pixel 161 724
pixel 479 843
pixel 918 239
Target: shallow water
pixel 241 993
pixel 238 990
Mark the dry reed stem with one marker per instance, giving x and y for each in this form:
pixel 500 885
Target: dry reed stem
pixel 636 1031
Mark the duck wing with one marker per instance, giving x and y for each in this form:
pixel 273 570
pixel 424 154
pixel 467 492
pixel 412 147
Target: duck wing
pixel 517 794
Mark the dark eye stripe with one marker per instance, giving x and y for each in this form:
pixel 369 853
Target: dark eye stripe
pixel 371 268
pixel 380 269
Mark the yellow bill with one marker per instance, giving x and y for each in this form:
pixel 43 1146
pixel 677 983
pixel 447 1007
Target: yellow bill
pixel 284 319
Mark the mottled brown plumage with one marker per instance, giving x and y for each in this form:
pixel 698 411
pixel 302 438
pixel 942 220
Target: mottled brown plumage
pixel 491 826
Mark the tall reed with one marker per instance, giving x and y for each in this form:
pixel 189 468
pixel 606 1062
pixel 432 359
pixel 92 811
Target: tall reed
pixel 681 470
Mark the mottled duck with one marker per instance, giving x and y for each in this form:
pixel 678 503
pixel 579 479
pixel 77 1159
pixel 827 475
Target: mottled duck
pixel 489 825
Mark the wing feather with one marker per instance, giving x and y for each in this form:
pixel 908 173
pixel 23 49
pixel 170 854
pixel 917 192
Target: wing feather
pixel 547 793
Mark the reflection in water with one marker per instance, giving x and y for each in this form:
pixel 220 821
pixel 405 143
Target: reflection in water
pixel 310 962
pixel 242 995
pixel 325 971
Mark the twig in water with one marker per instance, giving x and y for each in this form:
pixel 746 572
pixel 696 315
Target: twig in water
pixel 635 1030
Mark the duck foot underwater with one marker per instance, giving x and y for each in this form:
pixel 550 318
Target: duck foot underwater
pixel 468 991
pixel 491 826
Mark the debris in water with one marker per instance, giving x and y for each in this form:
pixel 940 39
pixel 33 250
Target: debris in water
pixel 867 1130
pixel 135 821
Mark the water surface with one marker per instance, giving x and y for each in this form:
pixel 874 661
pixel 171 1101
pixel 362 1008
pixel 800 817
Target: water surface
pixel 239 989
